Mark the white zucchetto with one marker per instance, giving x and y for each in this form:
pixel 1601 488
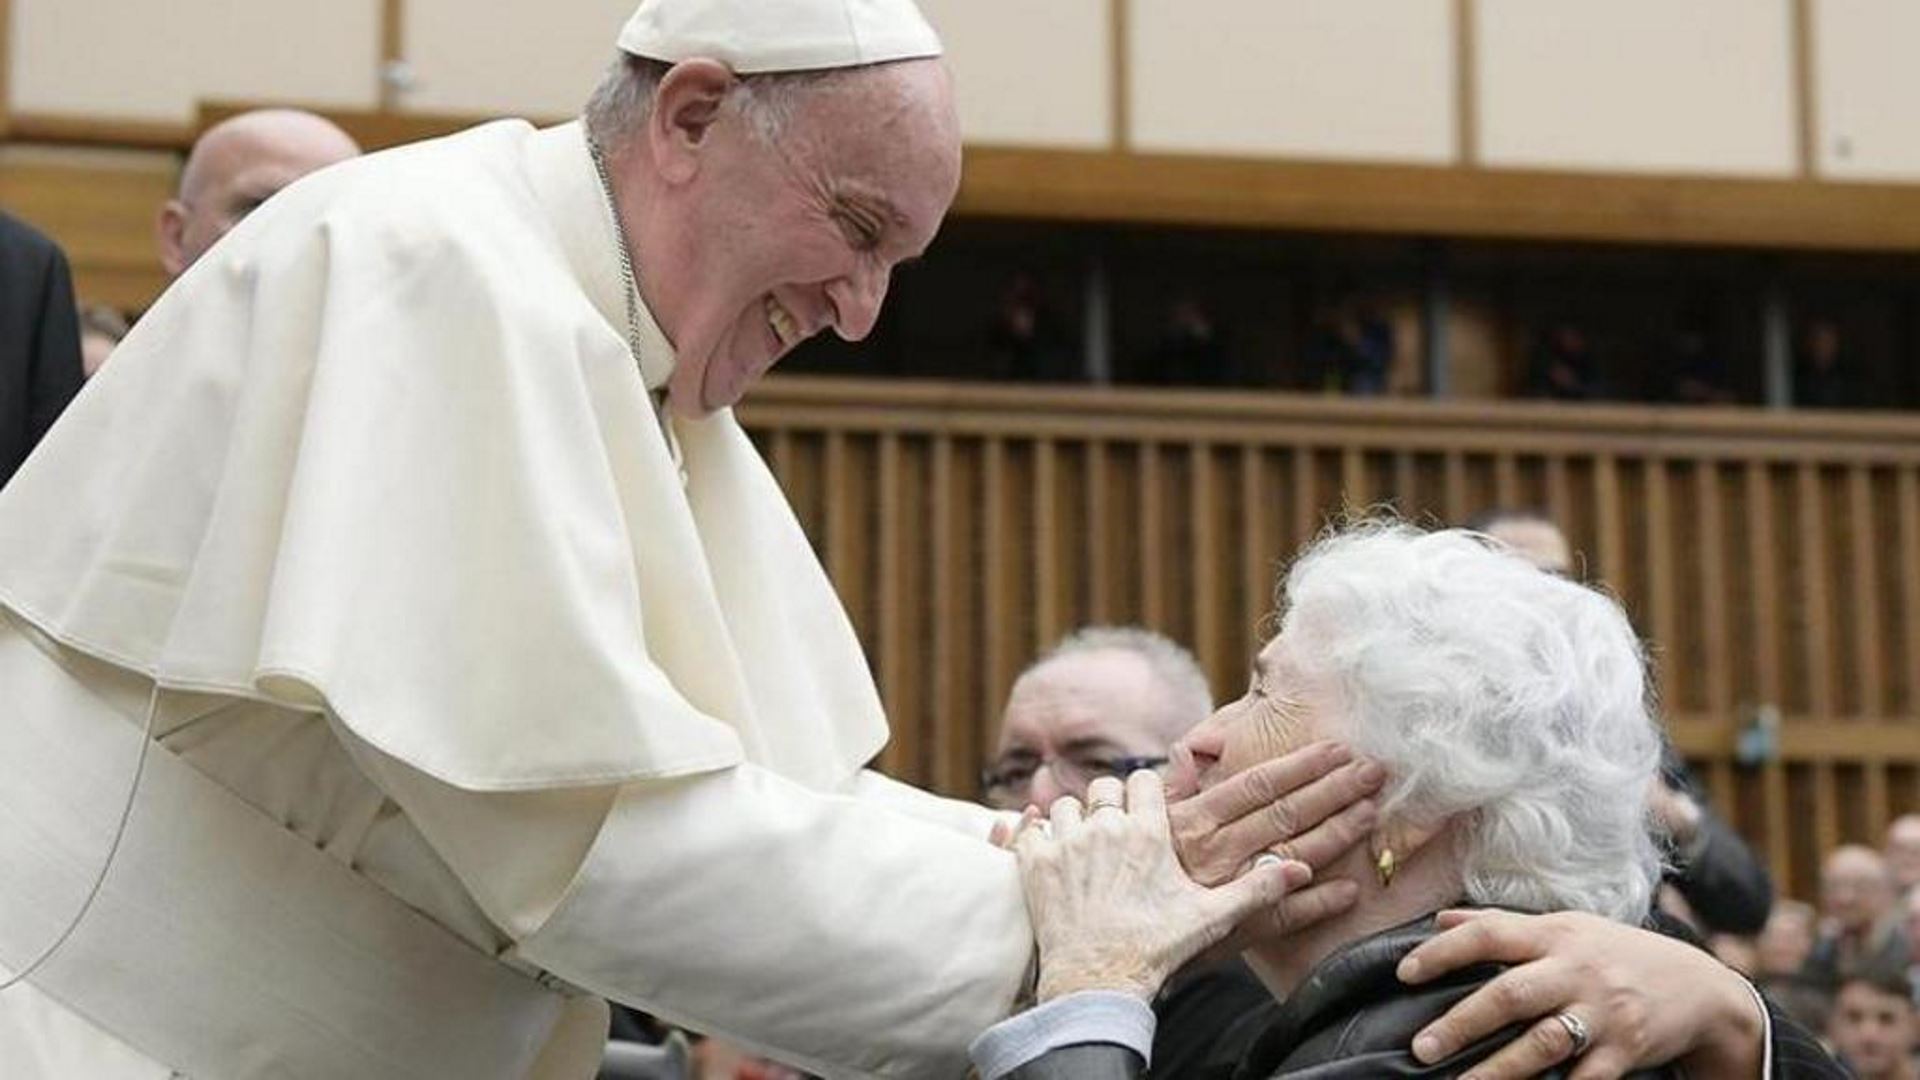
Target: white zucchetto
pixel 755 36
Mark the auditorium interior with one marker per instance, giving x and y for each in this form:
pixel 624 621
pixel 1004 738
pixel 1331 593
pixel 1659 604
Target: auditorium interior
pixel 1221 274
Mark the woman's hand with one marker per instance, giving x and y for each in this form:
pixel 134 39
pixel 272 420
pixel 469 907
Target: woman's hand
pixel 1111 907
pixel 1310 805
pixel 1644 999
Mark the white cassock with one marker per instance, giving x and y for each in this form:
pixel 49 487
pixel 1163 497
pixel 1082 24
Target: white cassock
pixel 470 708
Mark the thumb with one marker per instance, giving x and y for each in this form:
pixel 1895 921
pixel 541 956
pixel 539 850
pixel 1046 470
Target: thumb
pixel 1263 886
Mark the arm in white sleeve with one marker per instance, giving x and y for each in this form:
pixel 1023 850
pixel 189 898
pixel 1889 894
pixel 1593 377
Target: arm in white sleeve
pixel 970 819
pixel 820 929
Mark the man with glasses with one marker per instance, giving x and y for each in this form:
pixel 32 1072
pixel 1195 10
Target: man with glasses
pixel 1105 701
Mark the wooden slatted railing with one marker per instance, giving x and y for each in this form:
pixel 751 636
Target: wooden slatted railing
pixel 1772 559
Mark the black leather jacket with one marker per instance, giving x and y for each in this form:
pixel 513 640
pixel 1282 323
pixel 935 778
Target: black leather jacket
pixel 1352 1018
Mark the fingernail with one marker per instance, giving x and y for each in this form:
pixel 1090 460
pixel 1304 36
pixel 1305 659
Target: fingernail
pixel 1427 1048
pixel 1372 772
pixel 1338 753
pixel 1409 971
pixel 1298 874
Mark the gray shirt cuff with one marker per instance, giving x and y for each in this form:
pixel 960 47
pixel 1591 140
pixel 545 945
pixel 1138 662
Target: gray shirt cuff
pixel 1090 1016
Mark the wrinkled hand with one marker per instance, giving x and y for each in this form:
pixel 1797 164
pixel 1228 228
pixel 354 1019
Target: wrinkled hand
pixel 1311 805
pixel 1110 905
pixel 1646 999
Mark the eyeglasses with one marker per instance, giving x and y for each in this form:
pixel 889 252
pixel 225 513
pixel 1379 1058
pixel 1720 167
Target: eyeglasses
pixel 1011 778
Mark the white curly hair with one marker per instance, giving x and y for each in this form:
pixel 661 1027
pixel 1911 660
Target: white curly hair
pixel 1491 691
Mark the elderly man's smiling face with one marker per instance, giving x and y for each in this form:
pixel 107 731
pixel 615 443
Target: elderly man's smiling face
pixel 800 228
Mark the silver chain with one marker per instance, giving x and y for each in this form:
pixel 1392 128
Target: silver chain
pixel 627 281
pixel 632 289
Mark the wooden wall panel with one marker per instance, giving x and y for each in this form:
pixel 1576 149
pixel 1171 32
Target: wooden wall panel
pixel 1774 561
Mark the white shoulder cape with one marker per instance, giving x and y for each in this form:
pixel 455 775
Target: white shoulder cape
pixel 384 451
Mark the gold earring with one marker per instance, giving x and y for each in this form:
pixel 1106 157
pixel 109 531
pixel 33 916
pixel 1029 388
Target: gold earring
pixel 1385 866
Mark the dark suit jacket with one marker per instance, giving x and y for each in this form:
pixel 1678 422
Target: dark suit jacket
pixel 39 340
pixel 1725 885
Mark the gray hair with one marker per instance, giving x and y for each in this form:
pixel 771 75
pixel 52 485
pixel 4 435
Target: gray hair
pixel 621 104
pixel 1185 697
pixel 1496 691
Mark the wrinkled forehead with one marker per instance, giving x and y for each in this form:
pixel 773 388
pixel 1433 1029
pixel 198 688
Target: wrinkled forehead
pixel 890 130
pixel 1091 697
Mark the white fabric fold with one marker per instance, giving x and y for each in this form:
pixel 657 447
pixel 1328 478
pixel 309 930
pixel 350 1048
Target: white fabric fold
pixel 383 451
pixel 912 937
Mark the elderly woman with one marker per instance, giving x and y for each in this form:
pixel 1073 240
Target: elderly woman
pixel 1509 710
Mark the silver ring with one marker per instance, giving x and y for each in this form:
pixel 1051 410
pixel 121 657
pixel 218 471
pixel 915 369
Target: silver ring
pixel 1576 1030
pixel 1096 805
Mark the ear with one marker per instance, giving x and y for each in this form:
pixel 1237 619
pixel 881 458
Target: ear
pixel 685 106
pixel 171 230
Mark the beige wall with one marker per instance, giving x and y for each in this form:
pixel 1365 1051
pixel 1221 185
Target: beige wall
pixel 521 58
pixel 1359 79
pixel 155 59
pixel 1652 86
pixel 1027 73
pixel 1868 97
pixel 1680 86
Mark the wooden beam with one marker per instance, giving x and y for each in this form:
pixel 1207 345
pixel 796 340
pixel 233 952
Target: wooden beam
pixel 59 129
pixel 6 70
pixel 1466 84
pixel 373 129
pixel 1805 91
pixel 1120 75
pixel 1169 189
pixel 393 51
pixel 1271 418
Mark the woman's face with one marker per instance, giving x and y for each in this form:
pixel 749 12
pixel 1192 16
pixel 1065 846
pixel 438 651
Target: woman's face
pixel 1278 713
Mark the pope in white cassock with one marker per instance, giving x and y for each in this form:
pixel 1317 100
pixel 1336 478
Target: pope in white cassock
pixel 485 671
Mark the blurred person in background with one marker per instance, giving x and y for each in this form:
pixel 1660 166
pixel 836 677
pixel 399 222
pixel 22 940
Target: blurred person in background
pixel 1872 1027
pixel 1724 886
pixel 40 368
pixel 1695 372
pixel 1910 916
pixel 1191 350
pixel 1825 376
pixel 1027 342
pixel 1350 346
pixel 1859 919
pixel 1783 945
pixel 1562 366
pixel 1103 701
pixel 236 165
pixel 1902 850
pixel 101 328
pixel 1106 701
